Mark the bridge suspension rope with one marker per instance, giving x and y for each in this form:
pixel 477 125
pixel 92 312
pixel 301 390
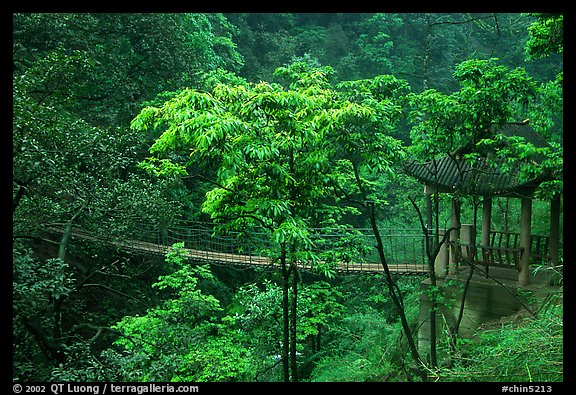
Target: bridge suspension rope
pixel 353 248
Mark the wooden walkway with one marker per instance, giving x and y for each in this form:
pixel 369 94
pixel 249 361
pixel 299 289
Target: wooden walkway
pixel 222 258
pixel 243 260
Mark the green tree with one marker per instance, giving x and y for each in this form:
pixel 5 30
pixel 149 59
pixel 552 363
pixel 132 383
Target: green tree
pixel 256 313
pixel 77 79
pixel 267 146
pixel 271 148
pixel 183 338
pixel 546 36
pixel 546 42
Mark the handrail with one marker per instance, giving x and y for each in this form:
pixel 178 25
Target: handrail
pixel 201 243
pixel 402 246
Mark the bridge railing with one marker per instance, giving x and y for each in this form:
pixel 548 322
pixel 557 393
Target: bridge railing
pixel 353 248
pixel 504 249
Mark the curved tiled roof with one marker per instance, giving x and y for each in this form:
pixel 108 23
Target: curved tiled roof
pixel 485 175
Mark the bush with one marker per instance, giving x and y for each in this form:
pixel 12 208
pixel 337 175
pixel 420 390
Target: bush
pixel 516 349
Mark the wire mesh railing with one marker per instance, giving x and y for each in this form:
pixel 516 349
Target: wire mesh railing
pixel 343 249
pixel 346 249
pixel 350 250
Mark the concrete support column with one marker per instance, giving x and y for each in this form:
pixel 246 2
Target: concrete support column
pixel 454 237
pixel 486 221
pixel 468 239
pixel 441 262
pixel 525 242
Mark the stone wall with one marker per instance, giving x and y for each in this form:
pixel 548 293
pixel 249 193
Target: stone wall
pixel 485 300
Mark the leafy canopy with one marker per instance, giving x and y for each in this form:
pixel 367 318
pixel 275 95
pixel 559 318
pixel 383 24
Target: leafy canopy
pixel 273 146
pixel 490 96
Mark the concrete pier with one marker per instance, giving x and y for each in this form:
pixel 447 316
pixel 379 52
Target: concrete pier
pixel 486 300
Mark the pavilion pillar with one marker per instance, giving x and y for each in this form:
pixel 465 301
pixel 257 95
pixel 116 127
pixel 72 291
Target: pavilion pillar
pixel 428 209
pixel 486 221
pixel 441 262
pixel 525 241
pixel 428 191
pixel 454 237
pixel 554 238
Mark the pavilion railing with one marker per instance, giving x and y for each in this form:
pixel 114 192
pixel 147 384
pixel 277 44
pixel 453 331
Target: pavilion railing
pixel 504 249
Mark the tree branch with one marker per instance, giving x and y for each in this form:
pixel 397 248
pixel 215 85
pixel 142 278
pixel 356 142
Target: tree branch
pixel 99 329
pixel 246 197
pixel 116 292
pixel 463 22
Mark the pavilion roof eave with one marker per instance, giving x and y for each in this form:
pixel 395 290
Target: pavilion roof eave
pixel 487 175
pixel 449 175
pixel 520 191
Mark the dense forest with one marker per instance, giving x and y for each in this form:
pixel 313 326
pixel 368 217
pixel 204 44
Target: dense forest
pixel 273 124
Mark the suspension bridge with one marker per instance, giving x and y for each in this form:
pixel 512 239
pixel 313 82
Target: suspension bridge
pixel 345 250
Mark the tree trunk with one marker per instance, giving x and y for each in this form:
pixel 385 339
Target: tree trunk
pixel 293 324
pixel 59 301
pixel 392 291
pixel 427 53
pixel 285 316
pixel 432 317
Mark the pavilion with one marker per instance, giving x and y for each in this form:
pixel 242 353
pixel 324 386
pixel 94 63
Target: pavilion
pixel 489 176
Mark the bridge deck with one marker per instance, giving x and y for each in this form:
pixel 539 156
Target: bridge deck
pixel 243 260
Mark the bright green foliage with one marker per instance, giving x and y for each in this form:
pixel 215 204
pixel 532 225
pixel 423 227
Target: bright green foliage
pixel 363 147
pixel 489 92
pixel 362 350
pixel 546 39
pixel 188 337
pixel 547 113
pixel 256 314
pixel 367 343
pixel 320 306
pixel 437 120
pixel 271 147
pixel 546 36
pixel 190 302
pixel 521 350
pixel 485 101
pixel 518 150
pixel 181 339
